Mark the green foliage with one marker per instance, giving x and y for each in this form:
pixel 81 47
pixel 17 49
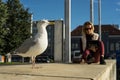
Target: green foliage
pixel 3 29
pixel 3 13
pixel 17 25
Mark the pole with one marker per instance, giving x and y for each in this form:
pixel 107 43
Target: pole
pixel 31 25
pixel 91 11
pixel 67 31
pixel 99 17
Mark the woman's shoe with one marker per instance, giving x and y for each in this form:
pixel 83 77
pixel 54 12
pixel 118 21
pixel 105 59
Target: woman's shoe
pixel 102 61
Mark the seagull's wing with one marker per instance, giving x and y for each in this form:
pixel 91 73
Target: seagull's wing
pixel 27 44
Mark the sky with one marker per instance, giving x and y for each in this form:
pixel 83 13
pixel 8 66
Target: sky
pixel 80 11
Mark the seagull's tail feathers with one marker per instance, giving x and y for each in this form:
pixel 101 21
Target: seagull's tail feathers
pixel 19 54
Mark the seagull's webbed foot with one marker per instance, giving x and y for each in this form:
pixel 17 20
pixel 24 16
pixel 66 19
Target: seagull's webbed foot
pixel 35 67
pixel 34 64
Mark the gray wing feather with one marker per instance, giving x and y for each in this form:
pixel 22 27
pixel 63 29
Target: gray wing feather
pixel 27 44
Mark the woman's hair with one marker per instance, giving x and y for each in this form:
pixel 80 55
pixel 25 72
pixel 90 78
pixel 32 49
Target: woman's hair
pixel 85 24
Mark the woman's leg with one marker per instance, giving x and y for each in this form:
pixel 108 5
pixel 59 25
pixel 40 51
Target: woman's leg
pixel 102 61
pixel 100 53
pixel 97 56
pixel 102 50
pixel 85 54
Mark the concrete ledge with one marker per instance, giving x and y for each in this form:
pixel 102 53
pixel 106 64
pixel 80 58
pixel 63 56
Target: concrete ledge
pixel 60 71
pixel 109 72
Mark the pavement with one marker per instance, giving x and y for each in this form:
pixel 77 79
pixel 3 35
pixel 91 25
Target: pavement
pixel 54 71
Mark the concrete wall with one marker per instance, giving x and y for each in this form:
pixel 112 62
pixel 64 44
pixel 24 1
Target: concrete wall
pixel 108 73
pixel 58 41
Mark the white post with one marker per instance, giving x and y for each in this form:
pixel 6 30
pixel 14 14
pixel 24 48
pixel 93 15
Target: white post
pixel 92 11
pixel 67 31
pixel 9 57
pixel 31 31
pixel 31 25
pixel 99 17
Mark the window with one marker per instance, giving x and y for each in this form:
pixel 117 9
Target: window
pixel 76 45
pixel 117 46
pixel 112 47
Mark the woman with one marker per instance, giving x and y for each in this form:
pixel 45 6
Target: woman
pixel 91 54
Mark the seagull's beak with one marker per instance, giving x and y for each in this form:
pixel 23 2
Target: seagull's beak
pixel 51 23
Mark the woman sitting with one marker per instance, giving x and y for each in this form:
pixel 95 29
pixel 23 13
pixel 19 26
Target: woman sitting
pixel 92 47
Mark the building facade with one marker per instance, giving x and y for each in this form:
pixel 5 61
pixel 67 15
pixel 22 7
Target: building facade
pixel 110 36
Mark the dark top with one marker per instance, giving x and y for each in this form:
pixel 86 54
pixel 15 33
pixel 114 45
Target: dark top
pixel 88 38
pixel 89 41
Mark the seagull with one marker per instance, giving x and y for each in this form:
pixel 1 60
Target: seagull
pixel 32 47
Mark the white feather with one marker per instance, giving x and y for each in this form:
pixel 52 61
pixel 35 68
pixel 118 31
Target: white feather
pixel 35 46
